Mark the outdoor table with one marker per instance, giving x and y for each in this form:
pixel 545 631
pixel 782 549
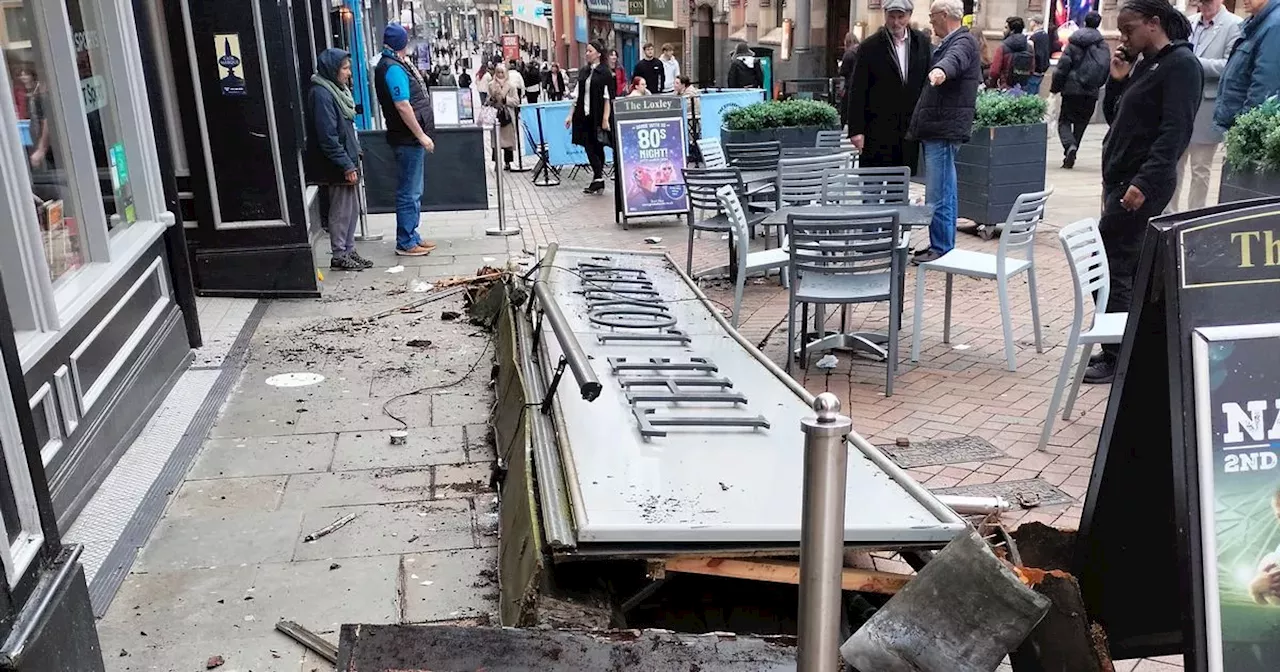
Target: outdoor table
pixel 909 216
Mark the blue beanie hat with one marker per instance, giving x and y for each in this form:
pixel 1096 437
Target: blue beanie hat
pixel 395 36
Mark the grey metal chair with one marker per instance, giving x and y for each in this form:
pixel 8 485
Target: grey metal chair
pixel 701 185
pixel 753 155
pixel 834 138
pixel 867 186
pixel 745 262
pixel 1017 237
pixel 800 179
pixel 838 260
pixel 712 153
pixel 1090 277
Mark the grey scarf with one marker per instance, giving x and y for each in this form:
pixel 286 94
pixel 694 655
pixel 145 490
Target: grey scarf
pixel 340 93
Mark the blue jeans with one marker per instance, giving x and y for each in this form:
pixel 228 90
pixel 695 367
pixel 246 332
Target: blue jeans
pixel 410 159
pixel 941 192
pixel 1033 85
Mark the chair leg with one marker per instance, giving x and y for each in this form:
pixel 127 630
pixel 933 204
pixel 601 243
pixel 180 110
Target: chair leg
pixel 1085 353
pixel 946 311
pixel 1035 307
pixel 1059 384
pixel 739 273
pixel 891 361
pixel 688 260
pixel 917 320
pixel 1006 321
pixel 804 336
pixel 791 332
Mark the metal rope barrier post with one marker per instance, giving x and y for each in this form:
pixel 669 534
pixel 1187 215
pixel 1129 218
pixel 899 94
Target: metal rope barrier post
pixel 501 229
pixel 826 463
pixel 363 236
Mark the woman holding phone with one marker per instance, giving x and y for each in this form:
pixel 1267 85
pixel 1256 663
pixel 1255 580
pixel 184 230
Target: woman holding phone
pixel 592 109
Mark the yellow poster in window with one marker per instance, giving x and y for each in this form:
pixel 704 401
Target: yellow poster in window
pixel 230 66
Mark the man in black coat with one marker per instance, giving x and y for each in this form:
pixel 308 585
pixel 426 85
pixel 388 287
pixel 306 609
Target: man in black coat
pixel 885 86
pixel 847 63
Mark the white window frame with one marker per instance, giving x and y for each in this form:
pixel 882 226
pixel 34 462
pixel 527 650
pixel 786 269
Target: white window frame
pixel 17 557
pixel 40 307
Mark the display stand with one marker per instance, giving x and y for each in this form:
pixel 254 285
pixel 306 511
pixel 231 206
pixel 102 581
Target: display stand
pixel 550 175
pixel 650 142
pixel 1179 516
pixel 519 150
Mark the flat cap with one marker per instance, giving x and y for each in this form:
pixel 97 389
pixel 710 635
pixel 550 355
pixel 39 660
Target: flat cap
pixel 897 6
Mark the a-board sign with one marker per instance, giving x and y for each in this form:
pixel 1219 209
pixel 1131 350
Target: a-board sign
pixel 650 147
pixel 1180 535
pixel 444 104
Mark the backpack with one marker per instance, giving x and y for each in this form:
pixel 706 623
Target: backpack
pixel 1021 66
pixel 1095 67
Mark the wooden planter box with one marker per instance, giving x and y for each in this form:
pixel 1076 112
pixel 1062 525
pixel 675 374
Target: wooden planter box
pixel 790 136
pixel 996 166
pixel 1246 186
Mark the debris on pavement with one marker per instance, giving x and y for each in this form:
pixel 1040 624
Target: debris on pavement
pixel 653 240
pixel 420 286
pixel 418 343
pixel 309 640
pixel 330 528
pixel 213 662
pixel 450 315
pixel 333 566
pixel 399 437
pixel 396 269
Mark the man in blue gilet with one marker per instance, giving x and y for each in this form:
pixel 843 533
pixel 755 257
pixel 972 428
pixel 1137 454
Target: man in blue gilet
pixel 406 109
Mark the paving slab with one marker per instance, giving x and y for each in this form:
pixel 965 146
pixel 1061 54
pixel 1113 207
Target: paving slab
pixel 263 456
pixel 358 590
pixel 382 529
pixel 221 496
pixel 446 585
pixel 348 488
pixel 463 480
pixel 232 539
pixel 424 446
pixel 171 607
pixel 460 408
pixel 353 415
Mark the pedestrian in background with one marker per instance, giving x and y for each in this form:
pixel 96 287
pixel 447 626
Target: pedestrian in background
pixel 446 77
pixel 744 69
pixel 333 154
pixel 1253 70
pixel 619 76
pixel 944 118
pixel 504 98
pixel 1082 71
pixel 1213 31
pixel 848 61
pixel 1042 47
pixel 464 79
pixel 554 83
pixel 670 68
pixel 885 87
pixel 533 82
pixel 1014 62
pixel 651 70
pixel 1151 106
pixel 639 87
pixel 592 112
pixel 408 118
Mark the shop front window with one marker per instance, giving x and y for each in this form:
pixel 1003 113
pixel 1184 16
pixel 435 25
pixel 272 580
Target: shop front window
pixel 100 112
pixel 40 130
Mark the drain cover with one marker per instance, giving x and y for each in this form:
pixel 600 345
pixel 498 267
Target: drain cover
pixel 942 451
pixel 295 379
pixel 1033 490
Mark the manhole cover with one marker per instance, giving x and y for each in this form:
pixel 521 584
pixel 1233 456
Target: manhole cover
pixel 294 379
pixel 1037 490
pixel 943 451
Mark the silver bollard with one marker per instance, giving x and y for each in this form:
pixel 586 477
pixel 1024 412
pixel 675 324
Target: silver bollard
pixel 501 229
pixel 363 236
pixel 826 463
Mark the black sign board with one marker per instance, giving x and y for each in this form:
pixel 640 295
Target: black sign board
pixel 1154 525
pixel 649 149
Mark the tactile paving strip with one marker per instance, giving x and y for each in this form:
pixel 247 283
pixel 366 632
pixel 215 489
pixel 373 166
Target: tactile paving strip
pixel 942 451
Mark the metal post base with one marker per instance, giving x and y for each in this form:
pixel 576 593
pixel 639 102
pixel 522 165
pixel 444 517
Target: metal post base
pixel 498 231
pixel 368 238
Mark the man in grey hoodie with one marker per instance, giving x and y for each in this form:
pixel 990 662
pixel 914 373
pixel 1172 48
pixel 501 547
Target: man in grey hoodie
pixel 333 154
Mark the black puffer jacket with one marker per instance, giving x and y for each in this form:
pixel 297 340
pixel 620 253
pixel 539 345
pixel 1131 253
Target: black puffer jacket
pixel 1085 65
pixel 946 112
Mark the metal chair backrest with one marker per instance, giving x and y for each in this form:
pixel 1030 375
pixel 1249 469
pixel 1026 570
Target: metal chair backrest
pixel 867 186
pixel 712 153
pixel 1018 232
pixel 861 244
pixel 702 183
pixel 731 206
pixel 830 139
pixel 1087 259
pixel 800 180
pixel 753 155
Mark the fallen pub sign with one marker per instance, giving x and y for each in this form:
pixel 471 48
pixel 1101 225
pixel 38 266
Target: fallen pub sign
pixel 1180 539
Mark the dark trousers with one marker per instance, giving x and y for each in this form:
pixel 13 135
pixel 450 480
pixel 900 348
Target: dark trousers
pixel 1073 118
pixel 532 96
pixel 1122 234
pixel 595 156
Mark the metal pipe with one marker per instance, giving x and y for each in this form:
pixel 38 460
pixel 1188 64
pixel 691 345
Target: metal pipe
pixel 826 466
pixel 965 505
pixel 577 360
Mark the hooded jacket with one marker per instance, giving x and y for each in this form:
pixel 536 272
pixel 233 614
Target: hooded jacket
pixel 744 72
pixel 1151 113
pixel 1085 65
pixel 1253 70
pixel 333 148
pixel 1002 64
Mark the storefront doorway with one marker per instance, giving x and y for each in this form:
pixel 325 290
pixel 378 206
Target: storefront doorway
pixel 706 47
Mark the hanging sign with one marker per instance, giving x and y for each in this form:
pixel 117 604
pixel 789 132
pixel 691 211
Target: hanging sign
pixel 650 150
pixel 230 70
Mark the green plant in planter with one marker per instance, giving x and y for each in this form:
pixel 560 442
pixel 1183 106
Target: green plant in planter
pixel 1253 143
pixel 781 114
pixel 995 108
